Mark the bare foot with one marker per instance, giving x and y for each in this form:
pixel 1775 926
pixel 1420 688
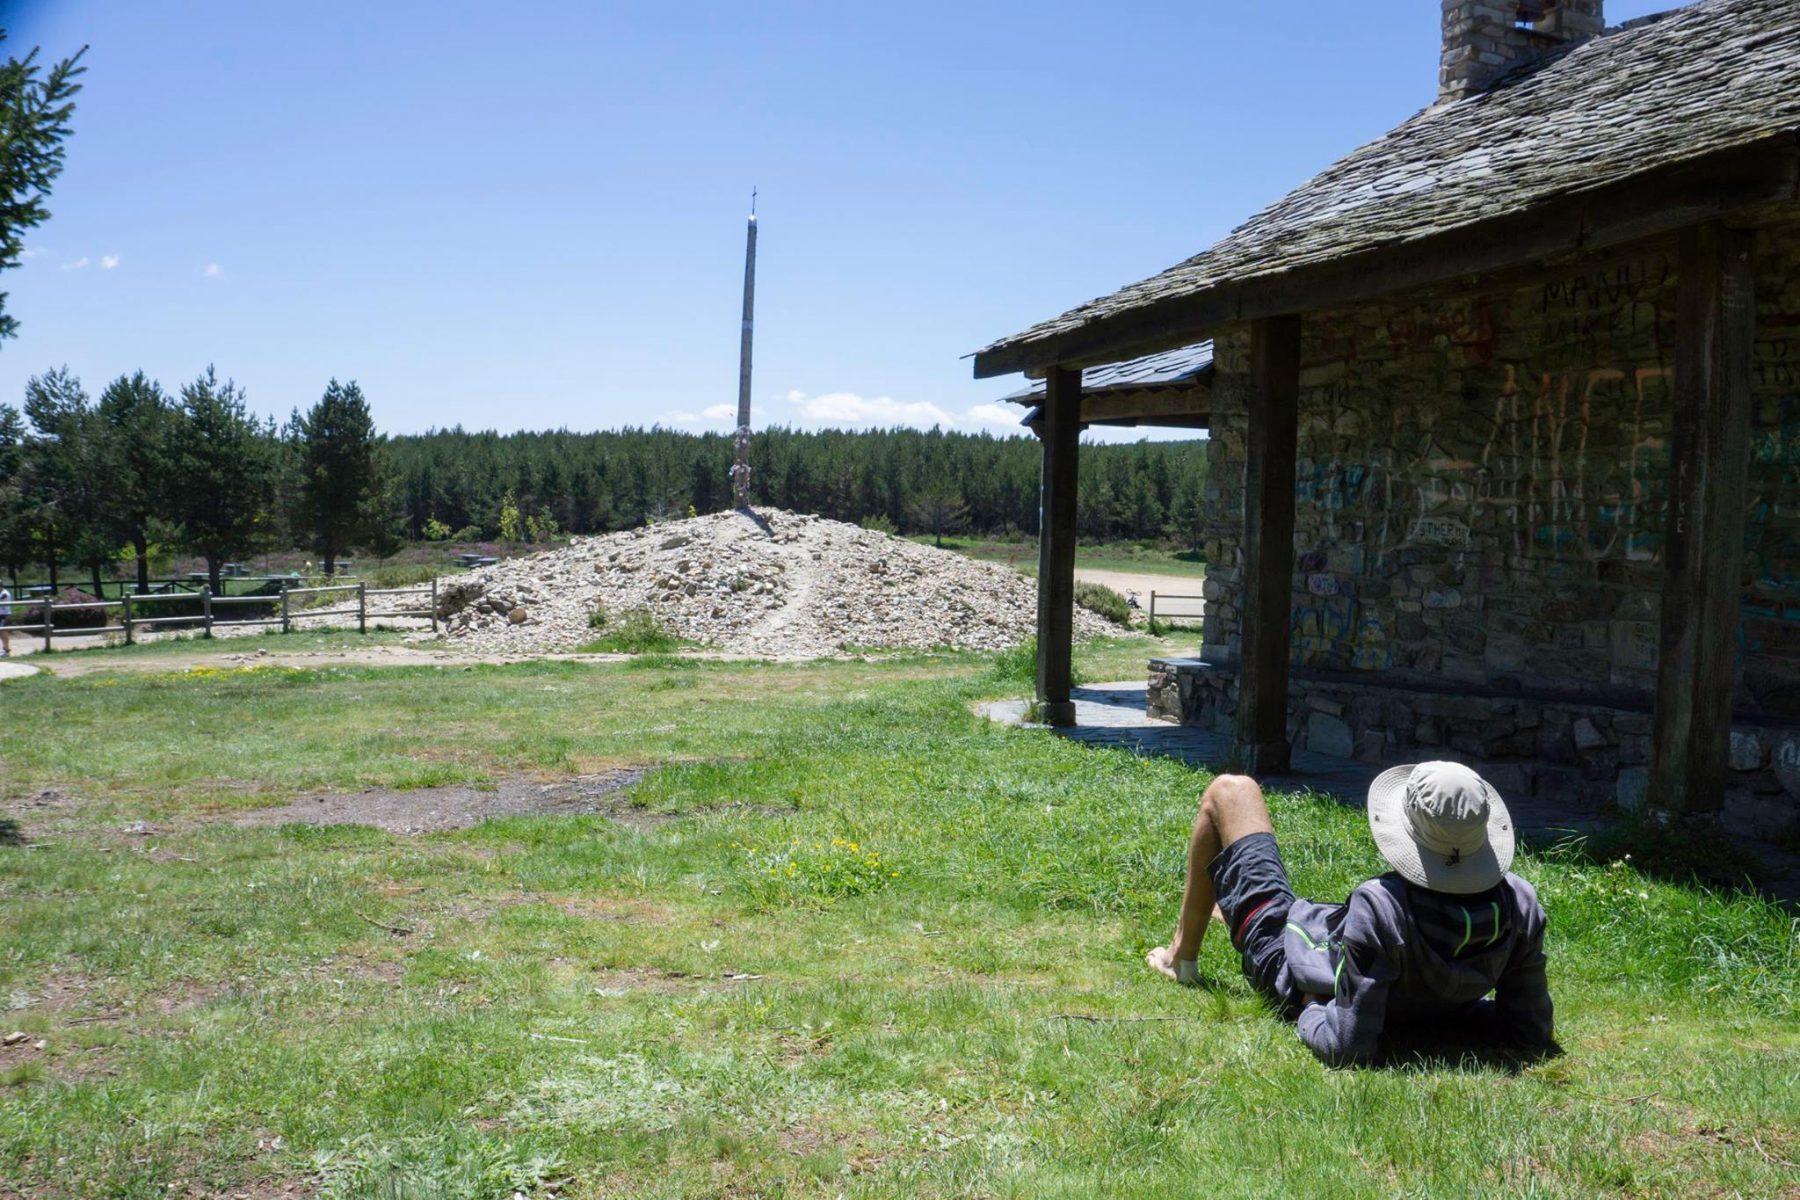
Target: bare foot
pixel 1163 960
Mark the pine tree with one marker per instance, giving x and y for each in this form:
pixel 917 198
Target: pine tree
pixel 337 474
pixel 35 107
pixel 223 472
pixel 135 423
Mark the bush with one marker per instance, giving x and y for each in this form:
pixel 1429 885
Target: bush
pixel 1019 665
pixel 878 522
pixel 32 612
pixel 636 631
pixel 1102 601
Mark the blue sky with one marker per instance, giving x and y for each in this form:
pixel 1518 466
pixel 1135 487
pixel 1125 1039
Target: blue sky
pixel 530 215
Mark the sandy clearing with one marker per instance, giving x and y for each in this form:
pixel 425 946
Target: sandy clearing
pixel 1126 582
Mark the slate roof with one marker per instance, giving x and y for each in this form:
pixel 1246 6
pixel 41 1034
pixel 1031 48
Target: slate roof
pixel 1170 368
pixel 1713 76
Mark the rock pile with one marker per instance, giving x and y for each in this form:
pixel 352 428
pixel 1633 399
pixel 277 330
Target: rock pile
pixel 775 584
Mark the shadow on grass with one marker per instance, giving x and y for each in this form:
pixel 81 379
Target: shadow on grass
pixel 1476 1050
pixel 10 833
pixel 1688 852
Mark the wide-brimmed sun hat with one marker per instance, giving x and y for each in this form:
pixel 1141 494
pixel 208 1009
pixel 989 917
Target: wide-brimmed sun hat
pixel 1441 826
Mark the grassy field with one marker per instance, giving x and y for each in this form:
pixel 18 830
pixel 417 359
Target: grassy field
pixel 1099 556
pixel 844 937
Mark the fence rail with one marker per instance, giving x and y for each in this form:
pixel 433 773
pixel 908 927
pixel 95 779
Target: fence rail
pixel 132 606
pixel 1177 616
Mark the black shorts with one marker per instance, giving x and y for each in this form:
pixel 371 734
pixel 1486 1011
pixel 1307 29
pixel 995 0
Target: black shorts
pixel 1254 896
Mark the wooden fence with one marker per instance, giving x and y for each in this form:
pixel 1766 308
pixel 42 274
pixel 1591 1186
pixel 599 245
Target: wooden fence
pixel 137 613
pixel 1175 616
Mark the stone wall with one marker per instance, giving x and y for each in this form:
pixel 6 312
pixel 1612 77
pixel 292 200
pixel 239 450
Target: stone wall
pixel 1481 487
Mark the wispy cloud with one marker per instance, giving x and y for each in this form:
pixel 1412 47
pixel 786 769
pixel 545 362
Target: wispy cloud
pixel 109 261
pixel 214 271
pixel 76 264
pixel 850 408
pixel 29 253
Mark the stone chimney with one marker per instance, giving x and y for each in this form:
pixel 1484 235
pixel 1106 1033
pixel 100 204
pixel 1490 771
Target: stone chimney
pixel 1484 39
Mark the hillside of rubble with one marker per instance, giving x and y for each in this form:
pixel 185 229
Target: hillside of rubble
pixel 770 583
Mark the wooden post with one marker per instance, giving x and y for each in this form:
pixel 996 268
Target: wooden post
pixel 206 611
pixel 1152 612
pixel 125 617
pixel 284 608
pixel 1268 543
pixel 362 606
pixel 434 627
pixel 49 620
pixel 1056 546
pixel 1703 542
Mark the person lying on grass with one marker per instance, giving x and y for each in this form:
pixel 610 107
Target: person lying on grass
pixel 1420 946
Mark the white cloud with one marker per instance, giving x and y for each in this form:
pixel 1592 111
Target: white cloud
pixel 862 412
pixel 1006 416
pixel 108 261
pixel 28 253
pixel 214 271
pixel 76 264
pixel 720 412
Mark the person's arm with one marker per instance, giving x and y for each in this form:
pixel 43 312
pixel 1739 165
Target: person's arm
pixel 1522 993
pixel 1345 1030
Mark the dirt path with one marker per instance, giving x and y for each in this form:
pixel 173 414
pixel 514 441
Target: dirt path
pixel 1125 582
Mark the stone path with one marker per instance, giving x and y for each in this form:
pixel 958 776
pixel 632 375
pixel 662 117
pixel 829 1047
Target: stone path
pixel 15 670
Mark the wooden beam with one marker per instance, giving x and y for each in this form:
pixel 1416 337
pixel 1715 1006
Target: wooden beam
pixel 1270 451
pixel 1654 202
pixel 1703 541
pixel 1056 547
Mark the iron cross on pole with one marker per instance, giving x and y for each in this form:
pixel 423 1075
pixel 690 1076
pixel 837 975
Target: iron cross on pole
pixel 740 466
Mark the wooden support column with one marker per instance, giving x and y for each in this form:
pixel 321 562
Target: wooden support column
pixel 1703 540
pixel 1056 545
pixel 1268 543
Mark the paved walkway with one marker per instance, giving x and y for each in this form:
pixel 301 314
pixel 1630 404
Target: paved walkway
pixel 14 670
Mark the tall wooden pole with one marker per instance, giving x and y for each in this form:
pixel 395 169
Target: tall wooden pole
pixel 1056 546
pixel 1268 544
pixel 740 466
pixel 1703 546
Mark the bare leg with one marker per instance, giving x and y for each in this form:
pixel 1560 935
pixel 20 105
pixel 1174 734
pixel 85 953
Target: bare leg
pixel 1232 807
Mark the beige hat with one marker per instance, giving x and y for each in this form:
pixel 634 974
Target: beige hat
pixel 1441 826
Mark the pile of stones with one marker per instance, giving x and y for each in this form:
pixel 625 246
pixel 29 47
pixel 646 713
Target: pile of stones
pixel 769 583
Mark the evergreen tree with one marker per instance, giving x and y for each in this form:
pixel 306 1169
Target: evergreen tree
pixel 223 472
pixel 15 519
pixel 135 422
pixel 35 107
pixel 338 483
pixel 62 471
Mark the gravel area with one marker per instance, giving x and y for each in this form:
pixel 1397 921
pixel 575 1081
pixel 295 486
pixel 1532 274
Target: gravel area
pixel 771 583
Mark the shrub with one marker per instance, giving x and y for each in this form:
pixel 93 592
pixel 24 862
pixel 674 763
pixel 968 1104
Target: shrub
pixel 636 631
pixel 1102 601
pixel 878 522
pixel 32 612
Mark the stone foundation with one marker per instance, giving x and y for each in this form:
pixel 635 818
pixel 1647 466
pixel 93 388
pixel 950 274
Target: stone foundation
pixel 1554 749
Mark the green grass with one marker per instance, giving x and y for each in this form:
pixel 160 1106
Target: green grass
pixel 635 631
pixel 634 1008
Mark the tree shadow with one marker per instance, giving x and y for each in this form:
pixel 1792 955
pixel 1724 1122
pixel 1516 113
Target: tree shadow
pixel 10 833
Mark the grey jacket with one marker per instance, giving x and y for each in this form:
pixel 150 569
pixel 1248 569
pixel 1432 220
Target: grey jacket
pixel 1401 951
